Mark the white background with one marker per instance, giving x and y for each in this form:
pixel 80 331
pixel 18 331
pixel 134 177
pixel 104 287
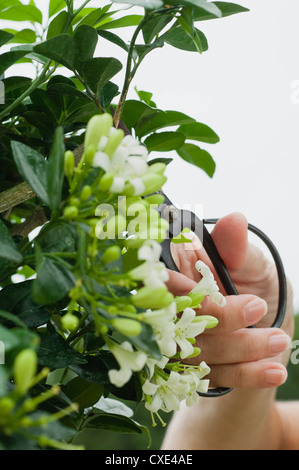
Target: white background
pixel 246 88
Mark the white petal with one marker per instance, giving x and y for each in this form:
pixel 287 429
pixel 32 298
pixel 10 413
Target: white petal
pixel 117 185
pixel 101 160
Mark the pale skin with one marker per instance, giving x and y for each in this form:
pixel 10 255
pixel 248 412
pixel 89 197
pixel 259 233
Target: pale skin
pixel 250 360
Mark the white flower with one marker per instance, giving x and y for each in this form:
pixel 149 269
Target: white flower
pixel 152 272
pixel 162 322
pixel 207 285
pixel 166 393
pixel 127 164
pixel 129 361
pixel 196 384
pixel 186 329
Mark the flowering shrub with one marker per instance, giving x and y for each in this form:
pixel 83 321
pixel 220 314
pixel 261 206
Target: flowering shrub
pixel 91 316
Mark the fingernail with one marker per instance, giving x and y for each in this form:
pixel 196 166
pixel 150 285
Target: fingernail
pixel 275 376
pixel 255 310
pixel 279 343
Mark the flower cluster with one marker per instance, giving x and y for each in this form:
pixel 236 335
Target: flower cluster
pixel 127 181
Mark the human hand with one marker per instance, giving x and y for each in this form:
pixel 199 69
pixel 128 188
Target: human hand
pixel 239 357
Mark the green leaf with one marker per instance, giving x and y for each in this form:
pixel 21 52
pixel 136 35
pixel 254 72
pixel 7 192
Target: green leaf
pixel 26 36
pixel 5 37
pixel 200 132
pixel 33 168
pixel 22 13
pixel 143 50
pixel 86 394
pixel 85 40
pixel 59 48
pixel 178 38
pixel 8 248
pixel 154 26
pixel 125 21
pixel 114 39
pixel 10 58
pixel 203 4
pixel 56 353
pixel 98 71
pixel 55 173
pixel 198 157
pixel 96 368
pixel 53 282
pixel 16 298
pixel 8 3
pixel 57 25
pixel 164 141
pixel 226 8
pixel 109 405
pixel 134 111
pixel 160 119
pixel 59 238
pixel 55 6
pixel 147 4
pixel 116 423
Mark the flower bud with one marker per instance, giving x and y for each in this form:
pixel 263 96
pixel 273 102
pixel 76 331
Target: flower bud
pixel 85 193
pixel 106 182
pixel 7 404
pixel 70 322
pixel 71 212
pixel 89 154
pixel 25 367
pixel 158 168
pixel 155 199
pixel 127 327
pixel 196 352
pixel 69 164
pixel 153 182
pixel 182 303
pixel 152 298
pixel 97 127
pixel 211 321
pixel 114 141
pixel 196 299
pixel 111 254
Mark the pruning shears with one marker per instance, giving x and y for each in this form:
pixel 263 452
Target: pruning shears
pixel 181 219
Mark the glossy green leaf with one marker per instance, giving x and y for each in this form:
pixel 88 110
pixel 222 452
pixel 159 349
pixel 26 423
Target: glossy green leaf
pixel 8 248
pixel 98 71
pixel 55 6
pixel 198 157
pixel 164 141
pixel 200 132
pixel 148 124
pixel 55 172
pixel 32 166
pixel 116 423
pixel 125 21
pixel 85 393
pixel 113 38
pixel 134 111
pixel 26 36
pixel 17 299
pixel 85 43
pixel 5 37
pixel 52 283
pixel 9 3
pixel 22 13
pixel 60 49
pixel 143 50
pixel 154 26
pixel 56 353
pixel 10 58
pixel 226 8
pixel 209 7
pixel 58 25
pixel 178 38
